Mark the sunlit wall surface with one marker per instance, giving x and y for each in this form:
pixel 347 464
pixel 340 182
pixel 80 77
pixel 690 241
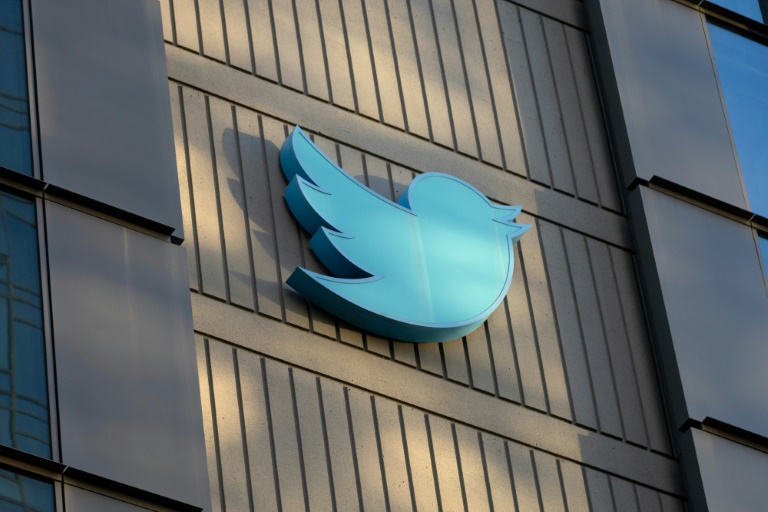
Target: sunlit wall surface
pixel 23 391
pixel 15 146
pixel 743 68
pixel 23 494
pixel 749 8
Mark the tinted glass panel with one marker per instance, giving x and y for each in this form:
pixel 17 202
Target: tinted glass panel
pixel 15 145
pixel 23 388
pixel 755 9
pixel 23 494
pixel 743 68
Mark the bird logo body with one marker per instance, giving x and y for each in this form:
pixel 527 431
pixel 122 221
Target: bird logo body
pixel 431 267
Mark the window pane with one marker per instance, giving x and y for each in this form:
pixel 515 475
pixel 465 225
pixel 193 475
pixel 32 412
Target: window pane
pixel 15 145
pixel 24 494
pixel 743 68
pixel 748 8
pixel 764 249
pixel 23 384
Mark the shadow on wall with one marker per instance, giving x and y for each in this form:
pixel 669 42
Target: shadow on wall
pixel 277 242
pixel 236 187
pixel 262 226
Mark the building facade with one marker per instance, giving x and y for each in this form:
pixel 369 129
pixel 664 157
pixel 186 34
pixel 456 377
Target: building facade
pixel 155 359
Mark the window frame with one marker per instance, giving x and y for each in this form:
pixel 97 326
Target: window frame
pixel 31 89
pixel 718 6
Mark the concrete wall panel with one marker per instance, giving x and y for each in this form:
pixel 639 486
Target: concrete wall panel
pixel 378 451
pixel 491 87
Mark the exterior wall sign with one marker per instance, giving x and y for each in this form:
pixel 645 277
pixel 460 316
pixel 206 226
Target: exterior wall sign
pixel 431 267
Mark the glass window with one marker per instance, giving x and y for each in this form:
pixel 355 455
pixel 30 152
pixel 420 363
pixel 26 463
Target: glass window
pixel 755 9
pixel 15 142
pixel 764 249
pixel 24 415
pixel 20 493
pixel 743 68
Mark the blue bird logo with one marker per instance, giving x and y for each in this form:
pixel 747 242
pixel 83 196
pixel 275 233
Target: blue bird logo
pixel 431 267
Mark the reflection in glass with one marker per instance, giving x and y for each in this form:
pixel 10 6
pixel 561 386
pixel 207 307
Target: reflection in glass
pixel 743 68
pixel 15 145
pixel 24 494
pixel 23 388
pixel 749 8
pixel 764 249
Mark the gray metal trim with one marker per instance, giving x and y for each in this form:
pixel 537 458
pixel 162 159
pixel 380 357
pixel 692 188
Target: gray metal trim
pixel 50 355
pixel 31 90
pixel 125 358
pixel 707 298
pixel 651 56
pixel 104 108
pixel 722 474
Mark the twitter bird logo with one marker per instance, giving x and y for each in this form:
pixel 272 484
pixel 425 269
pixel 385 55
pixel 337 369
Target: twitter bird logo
pixel 431 267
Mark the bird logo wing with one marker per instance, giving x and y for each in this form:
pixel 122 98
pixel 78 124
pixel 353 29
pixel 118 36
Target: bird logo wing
pixel 344 216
